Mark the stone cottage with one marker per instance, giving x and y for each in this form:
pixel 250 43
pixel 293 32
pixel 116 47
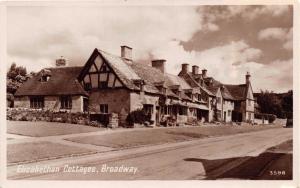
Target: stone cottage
pixel 116 84
pixel 53 89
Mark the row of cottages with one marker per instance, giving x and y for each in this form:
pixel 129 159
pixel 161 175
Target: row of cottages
pixel 116 84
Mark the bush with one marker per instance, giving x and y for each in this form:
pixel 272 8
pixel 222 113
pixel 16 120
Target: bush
pixel 46 115
pixel 138 116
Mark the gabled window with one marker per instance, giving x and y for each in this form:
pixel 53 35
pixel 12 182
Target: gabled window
pixel 37 102
pixel 103 108
pixel 65 102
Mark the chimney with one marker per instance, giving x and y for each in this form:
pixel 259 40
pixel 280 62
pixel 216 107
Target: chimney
pixel 195 69
pixel 184 68
pixel 248 78
pixel 61 62
pixel 159 64
pixel 126 52
pixel 204 72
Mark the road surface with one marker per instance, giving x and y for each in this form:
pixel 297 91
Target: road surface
pixel 240 156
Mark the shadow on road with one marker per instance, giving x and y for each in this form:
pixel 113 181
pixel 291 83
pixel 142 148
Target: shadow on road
pixel 269 165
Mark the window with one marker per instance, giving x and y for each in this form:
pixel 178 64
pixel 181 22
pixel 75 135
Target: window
pixel 103 84
pixel 229 113
pixel 85 104
pixel 103 108
pixel 167 109
pixel 65 102
pixel 37 102
pixel 104 69
pixel 249 102
pixel 199 97
pixel 87 86
pixel 182 110
pixel 148 108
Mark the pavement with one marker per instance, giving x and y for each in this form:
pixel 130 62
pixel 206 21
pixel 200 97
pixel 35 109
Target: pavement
pixel 223 157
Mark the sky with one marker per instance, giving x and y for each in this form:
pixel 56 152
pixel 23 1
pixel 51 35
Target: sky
pixel 228 41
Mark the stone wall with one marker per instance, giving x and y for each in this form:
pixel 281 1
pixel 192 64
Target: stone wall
pixel 118 101
pixel 19 114
pixel 113 120
pixel 22 102
pixel 228 105
pixel 77 104
pixel 51 103
pixel 138 99
pixel 211 111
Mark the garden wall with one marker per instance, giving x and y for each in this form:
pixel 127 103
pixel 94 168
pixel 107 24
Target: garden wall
pixel 24 114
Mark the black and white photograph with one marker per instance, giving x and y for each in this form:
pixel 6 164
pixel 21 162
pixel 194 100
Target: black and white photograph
pixel 149 92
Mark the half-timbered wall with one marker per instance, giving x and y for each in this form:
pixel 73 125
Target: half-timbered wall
pixel 100 75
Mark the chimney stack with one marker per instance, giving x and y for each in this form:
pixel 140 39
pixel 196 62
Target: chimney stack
pixel 185 67
pixel 61 62
pixel 159 64
pixel 195 69
pixel 248 78
pixel 204 73
pixel 126 52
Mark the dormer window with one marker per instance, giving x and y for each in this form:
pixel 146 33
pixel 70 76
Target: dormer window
pixel 45 78
pixel 45 75
pixel 139 83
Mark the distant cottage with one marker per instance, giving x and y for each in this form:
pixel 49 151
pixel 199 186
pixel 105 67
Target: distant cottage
pixel 112 84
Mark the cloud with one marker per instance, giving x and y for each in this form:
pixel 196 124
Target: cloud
pixel 276 33
pixel 39 35
pixel 48 33
pixel 276 76
pixel 272 33
pixel 246 12
pixel 230 62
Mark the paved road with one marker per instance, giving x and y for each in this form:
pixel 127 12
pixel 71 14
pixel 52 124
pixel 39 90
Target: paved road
pixel 238 156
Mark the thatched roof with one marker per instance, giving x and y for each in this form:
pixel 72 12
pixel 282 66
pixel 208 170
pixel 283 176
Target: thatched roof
pixel 62 81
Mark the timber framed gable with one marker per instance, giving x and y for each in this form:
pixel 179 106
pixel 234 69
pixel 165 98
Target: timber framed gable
pixel 98 74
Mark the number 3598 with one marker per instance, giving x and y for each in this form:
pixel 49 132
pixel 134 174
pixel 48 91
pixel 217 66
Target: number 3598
pixel 277 172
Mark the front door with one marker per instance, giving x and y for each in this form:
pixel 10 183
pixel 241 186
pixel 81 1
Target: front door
pixel 225 116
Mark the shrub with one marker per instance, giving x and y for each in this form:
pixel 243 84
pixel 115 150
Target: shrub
pixel 138 116
pixel 272 118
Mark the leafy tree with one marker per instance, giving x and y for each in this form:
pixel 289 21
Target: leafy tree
pixel 16 75
pixel 277 104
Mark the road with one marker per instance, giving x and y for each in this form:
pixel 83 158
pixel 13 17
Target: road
pixel 240 156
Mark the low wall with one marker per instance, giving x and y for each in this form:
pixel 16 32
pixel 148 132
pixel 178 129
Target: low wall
pixel 17 114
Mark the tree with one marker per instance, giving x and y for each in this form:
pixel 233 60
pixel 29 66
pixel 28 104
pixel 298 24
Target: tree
pixel 15 76
pixel 277 104
pixel 14 71
pixel 287 101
